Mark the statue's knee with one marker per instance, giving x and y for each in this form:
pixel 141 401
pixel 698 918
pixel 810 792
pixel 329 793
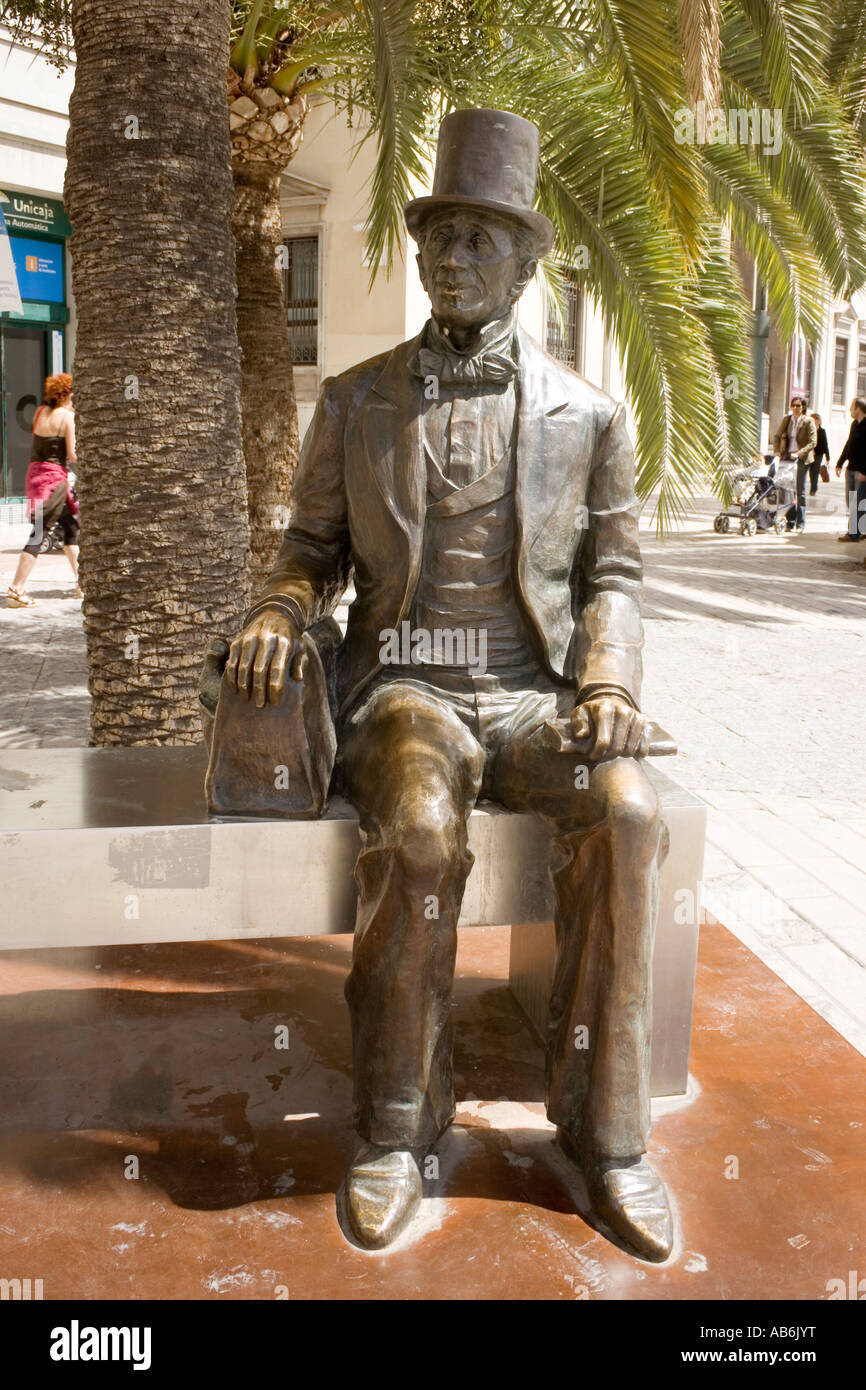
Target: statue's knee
pixel 631 804
pixel 427 835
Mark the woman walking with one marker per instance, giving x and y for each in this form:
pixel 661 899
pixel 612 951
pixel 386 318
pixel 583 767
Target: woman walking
pixel 820 465
pixel 47 486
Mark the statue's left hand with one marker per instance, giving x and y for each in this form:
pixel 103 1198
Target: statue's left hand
pixel 609 728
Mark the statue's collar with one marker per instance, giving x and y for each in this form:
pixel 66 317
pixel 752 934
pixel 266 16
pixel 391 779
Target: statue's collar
pixel 496 336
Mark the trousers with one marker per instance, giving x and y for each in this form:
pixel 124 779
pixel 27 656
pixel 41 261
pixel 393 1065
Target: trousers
pixel 856 504
pixel 796 515
pixel 415 756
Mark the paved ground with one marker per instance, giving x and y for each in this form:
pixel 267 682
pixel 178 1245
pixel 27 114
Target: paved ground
pixel 755 659
pixel 756 655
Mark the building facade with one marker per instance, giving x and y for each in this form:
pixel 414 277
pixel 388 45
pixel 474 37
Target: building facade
pixel 829 377
pixel 34 103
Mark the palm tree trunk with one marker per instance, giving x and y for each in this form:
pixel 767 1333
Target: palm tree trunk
pixel 165 537
pixel 269 409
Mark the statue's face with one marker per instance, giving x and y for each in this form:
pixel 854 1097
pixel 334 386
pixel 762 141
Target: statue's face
pixel 471 267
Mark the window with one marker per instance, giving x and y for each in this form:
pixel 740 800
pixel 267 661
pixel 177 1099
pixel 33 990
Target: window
pixel 861 368
pixel 301 292
pixel 808 373
pixel 565 341
pixel 840 369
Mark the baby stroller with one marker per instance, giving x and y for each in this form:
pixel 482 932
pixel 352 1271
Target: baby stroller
pixel 761 500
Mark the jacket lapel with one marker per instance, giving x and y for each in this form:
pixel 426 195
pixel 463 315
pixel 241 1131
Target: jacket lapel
pixel 390 426
pixel 543 459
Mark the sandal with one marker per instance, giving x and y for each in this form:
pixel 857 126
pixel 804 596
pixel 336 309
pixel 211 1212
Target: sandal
pixel 16 598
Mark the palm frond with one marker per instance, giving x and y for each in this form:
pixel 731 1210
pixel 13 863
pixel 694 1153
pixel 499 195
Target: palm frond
pixel 762 223
pixel 699 36
pixel 398 124
pixel 791 37
pixel 635 275
pixel 637 47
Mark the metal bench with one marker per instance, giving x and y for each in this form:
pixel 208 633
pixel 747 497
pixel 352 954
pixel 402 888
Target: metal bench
pixel 114 846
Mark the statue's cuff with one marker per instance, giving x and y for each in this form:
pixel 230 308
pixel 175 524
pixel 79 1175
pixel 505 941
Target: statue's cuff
pixel 599 690
pixel 281 601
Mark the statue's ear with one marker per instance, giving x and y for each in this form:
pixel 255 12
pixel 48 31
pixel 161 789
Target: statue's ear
pixel 524 275
pixel 420 264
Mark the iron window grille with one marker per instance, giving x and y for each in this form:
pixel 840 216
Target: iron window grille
pixel 840 370
pixel 565 339
pixel 301 294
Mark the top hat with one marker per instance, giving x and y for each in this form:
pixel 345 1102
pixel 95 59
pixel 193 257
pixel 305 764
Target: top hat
pixel 486 159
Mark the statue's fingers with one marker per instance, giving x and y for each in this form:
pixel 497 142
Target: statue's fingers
pixel 644 745
pixel 635 735
pixel 267 647
pixel 619 732
pixel 299 666
pixel 249 646
pixel 231 667
pixel 277 676
pixel 581 725
pixel 603 715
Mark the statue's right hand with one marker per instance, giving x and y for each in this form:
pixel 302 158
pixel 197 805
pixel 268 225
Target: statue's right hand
pixel 260 656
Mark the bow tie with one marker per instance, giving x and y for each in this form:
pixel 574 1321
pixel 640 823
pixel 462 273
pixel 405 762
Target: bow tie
pixel 486 368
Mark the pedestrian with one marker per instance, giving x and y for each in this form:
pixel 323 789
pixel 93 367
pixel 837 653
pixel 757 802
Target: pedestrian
pixel 47 485
pixel 854 454
pixel 795 440
pixel 818 468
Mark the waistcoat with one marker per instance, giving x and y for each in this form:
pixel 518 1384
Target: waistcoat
pixel 465 584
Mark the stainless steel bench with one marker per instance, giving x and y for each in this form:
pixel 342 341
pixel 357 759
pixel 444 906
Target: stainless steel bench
pixel 114 846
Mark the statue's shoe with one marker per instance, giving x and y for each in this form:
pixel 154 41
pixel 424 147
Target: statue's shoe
pixel 630 1197
pixel 383 1193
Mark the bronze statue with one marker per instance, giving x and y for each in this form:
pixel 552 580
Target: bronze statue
pixel 482 497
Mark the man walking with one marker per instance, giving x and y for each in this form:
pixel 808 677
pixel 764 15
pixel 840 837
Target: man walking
pixel 795 440
pixel 476 487
pixel 854 455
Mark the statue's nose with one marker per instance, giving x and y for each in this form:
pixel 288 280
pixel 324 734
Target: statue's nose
pixel 456 255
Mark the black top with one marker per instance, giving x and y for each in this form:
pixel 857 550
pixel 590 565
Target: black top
pixel 822 448
pixel 854 453
pixel 49 448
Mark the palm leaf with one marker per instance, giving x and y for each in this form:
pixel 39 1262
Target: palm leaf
pixel 699 36
pixel 636 47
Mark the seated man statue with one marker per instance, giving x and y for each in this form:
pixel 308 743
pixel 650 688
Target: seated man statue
pixel 482 497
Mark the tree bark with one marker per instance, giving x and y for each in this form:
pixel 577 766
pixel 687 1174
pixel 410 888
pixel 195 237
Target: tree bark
pixel 269 409
pixel 165 537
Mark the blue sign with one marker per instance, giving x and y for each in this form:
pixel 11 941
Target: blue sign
pixel 39 267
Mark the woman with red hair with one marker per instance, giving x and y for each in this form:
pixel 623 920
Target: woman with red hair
pixel 47 485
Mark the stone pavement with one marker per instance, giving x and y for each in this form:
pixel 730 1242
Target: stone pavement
pixel 43 670
pixel 755 660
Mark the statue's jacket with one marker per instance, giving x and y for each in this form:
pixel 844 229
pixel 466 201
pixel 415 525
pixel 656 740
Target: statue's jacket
pixel 359 508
